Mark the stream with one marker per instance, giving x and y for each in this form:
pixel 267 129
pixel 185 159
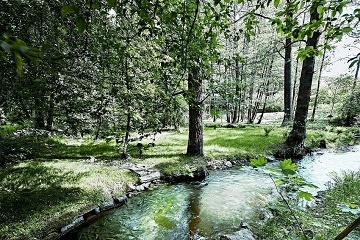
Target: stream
pixel 211 208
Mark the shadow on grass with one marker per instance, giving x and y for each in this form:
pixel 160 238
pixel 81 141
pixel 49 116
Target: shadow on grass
pixel 97 150
pixel 34 188
pixel 163 155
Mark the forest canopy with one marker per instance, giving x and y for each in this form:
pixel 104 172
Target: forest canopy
pixel 111 67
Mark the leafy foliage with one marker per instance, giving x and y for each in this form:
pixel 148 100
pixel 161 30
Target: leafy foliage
pixel 258 162
pixel 288 167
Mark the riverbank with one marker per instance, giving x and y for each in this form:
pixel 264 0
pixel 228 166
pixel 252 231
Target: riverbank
pixel 68 177
pixel 334 210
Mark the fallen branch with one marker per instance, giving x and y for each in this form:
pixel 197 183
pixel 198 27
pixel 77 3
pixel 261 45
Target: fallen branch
pixel 348 229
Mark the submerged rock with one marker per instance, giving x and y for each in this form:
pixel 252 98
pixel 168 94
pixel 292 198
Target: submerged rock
pixel 270 158
pixel 196 175
pixel 243 234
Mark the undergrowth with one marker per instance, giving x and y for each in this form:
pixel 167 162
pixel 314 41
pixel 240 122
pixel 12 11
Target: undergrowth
pixel 339 207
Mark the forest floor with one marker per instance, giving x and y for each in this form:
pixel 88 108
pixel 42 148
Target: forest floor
pixel 68 176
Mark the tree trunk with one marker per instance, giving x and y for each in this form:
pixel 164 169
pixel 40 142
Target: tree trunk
pixel 50 114
pixel 298 133
pixel 288 116
pixel 250 106
pixel 296 74
pixel 195 141
pixel 39 121
pixel 127 134
pixel 237 92
pixel 265 101
pixel 318 84
pixel 124 154
pixel 98 127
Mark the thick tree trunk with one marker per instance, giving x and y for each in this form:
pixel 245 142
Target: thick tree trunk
pixel 298 133
pixel 288 116
pixel 195 141
pixel 39 121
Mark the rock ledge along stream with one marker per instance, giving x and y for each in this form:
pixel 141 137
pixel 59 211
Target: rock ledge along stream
pixel 210 208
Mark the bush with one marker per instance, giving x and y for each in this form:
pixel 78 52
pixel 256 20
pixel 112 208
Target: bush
pixel 350 108
pixel 273 108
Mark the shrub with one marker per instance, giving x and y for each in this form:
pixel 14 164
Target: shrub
pixel 268 130
pixel 350 108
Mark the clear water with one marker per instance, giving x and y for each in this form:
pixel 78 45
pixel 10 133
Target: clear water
pixel 210 208
pixel 213 207
pixel 319 169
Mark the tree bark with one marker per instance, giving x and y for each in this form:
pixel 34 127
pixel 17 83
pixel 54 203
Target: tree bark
pixel 127 134
pixel 39 120
pixel 288 116
pixel 318 85
pixel 298 133
pixel 237 92
pixel 50 112
pixel 265 101
pixel 195 142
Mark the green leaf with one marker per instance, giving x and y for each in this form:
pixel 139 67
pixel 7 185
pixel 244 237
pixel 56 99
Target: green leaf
pixel 111 3
pixel 68 9
pixel 278 182
pixel 287 167
pixel 347 29
pixel 19 45
pixel 276 3
pixel 320 9
pixel 7 47
pixel 80 24
pixel 3 55
pixel 19 63
pixel 95 6
pixel 306 195
pixel 258 162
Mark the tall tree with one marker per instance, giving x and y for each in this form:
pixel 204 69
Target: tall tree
pixel 298 132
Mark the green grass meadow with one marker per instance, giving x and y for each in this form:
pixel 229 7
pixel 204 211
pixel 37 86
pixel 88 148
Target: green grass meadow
pixel 52 180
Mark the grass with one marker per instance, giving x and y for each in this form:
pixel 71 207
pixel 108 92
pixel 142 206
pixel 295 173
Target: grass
pixel 220 143
pixel 52 180
pixel 40 195
pixel 239 143
pixel 340 207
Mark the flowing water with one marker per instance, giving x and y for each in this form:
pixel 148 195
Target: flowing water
pixel 319 169
pixel 210 208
